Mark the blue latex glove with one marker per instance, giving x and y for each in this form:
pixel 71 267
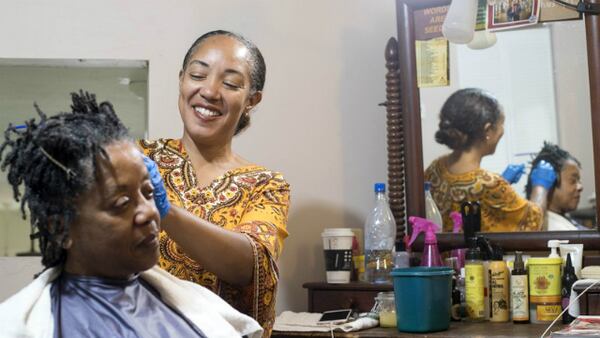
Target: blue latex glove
pixel 160 194
pixel 513 173
pixel 543 174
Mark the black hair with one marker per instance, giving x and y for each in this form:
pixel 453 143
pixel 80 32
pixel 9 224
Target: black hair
pixel 554 155
pixel 463 118
pixel 258 68
pixel 55 160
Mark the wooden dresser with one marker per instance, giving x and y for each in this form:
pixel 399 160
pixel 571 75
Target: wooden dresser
pixel 355 295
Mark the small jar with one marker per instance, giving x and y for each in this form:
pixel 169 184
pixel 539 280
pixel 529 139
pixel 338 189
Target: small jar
pixel 385 306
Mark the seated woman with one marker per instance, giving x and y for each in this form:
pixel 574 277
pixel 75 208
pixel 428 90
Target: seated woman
pixel 90 198
pixel 565 192
pixel 471 124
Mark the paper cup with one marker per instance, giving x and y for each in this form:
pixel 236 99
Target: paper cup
pixel 337 246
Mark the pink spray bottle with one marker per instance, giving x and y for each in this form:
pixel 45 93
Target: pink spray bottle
pixel 431 254
pixel 457 228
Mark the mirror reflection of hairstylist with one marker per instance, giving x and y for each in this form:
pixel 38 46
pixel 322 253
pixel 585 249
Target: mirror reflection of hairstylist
pixel 227 223
pixel 471 124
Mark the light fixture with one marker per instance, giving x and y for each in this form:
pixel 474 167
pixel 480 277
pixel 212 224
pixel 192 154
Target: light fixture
pixel 483 39
pixel 459 25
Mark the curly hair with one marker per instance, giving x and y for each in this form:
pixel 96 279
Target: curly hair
pixel 54 159
pixel 463 118
pixel 554 155
pixel 258 68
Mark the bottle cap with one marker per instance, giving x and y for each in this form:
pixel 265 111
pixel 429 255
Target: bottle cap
pixel 473 254
pixel 427 185
pixel 569 269
pixel 379 187
pixel 519 265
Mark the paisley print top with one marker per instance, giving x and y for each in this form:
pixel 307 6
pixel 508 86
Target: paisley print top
pixel 251 200
pixel 502 209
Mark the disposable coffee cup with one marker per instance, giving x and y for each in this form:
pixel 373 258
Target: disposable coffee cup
pixel 337 246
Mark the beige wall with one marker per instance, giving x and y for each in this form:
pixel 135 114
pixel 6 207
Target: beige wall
pixel 319 122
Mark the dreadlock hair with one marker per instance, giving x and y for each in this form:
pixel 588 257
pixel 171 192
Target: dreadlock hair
pixel 55 160
pixel 554 155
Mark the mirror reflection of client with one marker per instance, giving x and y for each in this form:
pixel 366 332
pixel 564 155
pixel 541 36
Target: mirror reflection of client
pixel 565 192
pixel 90 198
pixel 471 124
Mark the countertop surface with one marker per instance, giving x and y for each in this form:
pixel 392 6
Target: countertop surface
pixel 457 329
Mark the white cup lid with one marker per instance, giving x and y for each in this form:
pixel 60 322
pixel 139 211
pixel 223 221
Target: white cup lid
pixel 337 232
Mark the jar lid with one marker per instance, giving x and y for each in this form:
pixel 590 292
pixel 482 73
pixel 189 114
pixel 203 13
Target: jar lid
pixel 385 295
pixel 337 232
pixel 544 261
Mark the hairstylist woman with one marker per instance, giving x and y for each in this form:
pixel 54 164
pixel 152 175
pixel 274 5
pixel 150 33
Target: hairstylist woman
pixel 471 124
pixel 227 223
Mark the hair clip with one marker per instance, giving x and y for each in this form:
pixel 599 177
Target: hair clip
pixel 69 172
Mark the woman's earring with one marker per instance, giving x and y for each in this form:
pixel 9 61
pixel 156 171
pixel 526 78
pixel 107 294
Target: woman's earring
pixel 67 243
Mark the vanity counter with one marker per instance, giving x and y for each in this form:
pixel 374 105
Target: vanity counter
pixel 457 329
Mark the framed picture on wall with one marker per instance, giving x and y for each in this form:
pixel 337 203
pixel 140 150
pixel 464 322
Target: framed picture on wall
pixel 507 14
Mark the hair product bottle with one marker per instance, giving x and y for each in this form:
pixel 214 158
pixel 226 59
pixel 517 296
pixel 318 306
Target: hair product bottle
pixel 519 291
pixel 474 284
pixel 499 278
pixel 568 279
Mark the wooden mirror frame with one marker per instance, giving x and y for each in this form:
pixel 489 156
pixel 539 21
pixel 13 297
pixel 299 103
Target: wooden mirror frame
pixel 405 147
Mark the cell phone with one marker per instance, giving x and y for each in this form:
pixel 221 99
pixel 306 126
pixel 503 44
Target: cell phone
pixel 334 317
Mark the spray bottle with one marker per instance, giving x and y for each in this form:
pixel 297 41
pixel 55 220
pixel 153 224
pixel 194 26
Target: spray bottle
pixel 431 254
pixel 457 228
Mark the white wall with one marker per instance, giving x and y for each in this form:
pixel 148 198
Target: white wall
pixel 319 122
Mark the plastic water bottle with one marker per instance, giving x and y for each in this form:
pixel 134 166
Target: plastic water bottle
pixel 432 212
pixel 380 234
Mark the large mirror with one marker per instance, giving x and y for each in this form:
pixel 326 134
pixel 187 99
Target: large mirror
pixel 48 82
pixel 546 73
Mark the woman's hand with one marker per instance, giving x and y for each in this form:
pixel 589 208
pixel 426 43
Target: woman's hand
pixel 160 194
pixel 513 173
pixel 543 175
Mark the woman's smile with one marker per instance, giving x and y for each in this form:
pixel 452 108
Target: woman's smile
pixel 207 114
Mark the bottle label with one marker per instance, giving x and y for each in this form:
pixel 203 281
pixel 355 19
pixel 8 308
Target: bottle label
pixel 474 291
pixel 544 280
pixel 519 298
pixel 547 313
pixel 499 294
pixel 338 260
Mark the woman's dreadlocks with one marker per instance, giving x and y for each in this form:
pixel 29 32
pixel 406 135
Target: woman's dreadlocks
pixel 554 155
pixel 55 160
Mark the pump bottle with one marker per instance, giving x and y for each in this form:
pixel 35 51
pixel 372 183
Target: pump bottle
pixel 474 277
pixel 553 244
pixel 431 254
pixel 519 291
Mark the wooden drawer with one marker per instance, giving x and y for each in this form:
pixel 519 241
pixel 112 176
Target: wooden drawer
pixel 357 296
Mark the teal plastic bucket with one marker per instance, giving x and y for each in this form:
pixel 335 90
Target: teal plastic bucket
pixel 423 298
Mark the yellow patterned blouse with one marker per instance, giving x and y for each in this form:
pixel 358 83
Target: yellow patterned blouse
pixel 502 209
pixel 251 200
